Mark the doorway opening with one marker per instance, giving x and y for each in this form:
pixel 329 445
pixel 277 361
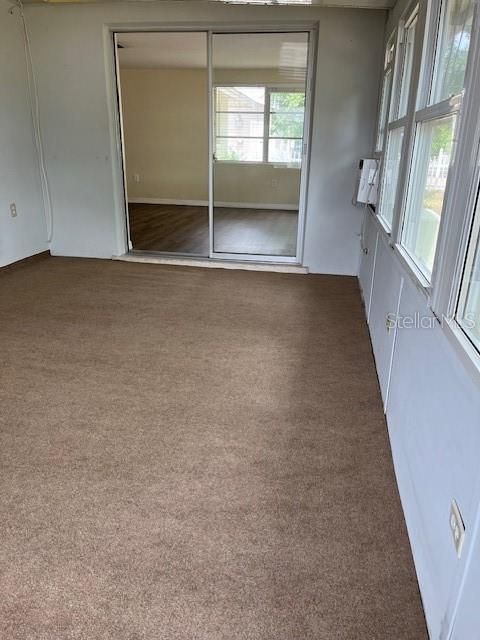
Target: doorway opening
pixel 214 129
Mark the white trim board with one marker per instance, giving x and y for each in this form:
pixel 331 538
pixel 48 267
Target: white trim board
pixel 204 203
pixel 212 263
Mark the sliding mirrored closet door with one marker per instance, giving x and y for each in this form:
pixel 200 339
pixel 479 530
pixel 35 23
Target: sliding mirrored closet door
pixel 214 129
pixel 163 90
pixel 259 83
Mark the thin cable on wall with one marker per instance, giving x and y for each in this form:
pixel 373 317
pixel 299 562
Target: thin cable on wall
pixel 35 111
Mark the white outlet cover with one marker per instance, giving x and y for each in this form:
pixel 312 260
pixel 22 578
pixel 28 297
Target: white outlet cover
pixel 457 527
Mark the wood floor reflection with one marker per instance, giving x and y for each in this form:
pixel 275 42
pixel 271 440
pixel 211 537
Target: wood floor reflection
pixel 184 229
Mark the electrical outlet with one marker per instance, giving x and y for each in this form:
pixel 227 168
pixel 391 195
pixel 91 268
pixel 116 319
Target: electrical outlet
pixel 457 527
pixel 136 177
pixel 13 210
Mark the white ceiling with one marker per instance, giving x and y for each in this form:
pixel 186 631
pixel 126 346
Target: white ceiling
pixel 356 4
pixel 237 51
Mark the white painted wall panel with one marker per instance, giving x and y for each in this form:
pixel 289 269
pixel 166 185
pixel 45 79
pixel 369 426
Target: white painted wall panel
pixel 345 101
pixel 467 620
pixel 69 49
pixel 26 234
pixel 386 290
pixel 433 415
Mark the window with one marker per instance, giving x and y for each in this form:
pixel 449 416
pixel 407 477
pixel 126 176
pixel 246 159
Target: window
pixel 468 313
pixel 406 66
pixel 390 175
pixel 395 127
pixel 259 124
pixel 453 48
pixel 285 135
pixel 433 154
pixel 384 103
pixel 240 123
pixel 434 135
pixel 386 93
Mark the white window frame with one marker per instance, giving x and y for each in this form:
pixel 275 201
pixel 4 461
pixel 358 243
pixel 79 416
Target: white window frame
pixel 411 15
pixel 469 265
pixel 461 198
pixel 426 112
pixel 269 89
pixel 386 93
pixel 462 208
pixel 409 23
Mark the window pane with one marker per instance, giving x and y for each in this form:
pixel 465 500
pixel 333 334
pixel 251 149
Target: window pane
pixel 289 151
pixel 239 149
pixel 287 101
pixel 469 309
pixel 286 125
pixel 453 48
pixel 390 175
pixel 240 99
pixel 409 45
pixel 390 52
pixel 433 154
pixel 384 104
pixel 240 124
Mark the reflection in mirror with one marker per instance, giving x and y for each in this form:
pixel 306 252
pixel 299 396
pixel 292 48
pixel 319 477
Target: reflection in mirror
pixel 164 93
pixel 259 84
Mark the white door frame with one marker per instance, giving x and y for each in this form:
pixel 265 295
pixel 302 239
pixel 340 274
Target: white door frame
pixel 116 123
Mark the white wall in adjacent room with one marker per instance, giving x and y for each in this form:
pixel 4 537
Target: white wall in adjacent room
pixel 165 124
pixel 25 234
pixel 70 49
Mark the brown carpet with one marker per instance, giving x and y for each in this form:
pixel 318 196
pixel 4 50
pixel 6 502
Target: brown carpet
pixel 194 454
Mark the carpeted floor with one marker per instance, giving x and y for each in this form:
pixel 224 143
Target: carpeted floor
pixel 194 454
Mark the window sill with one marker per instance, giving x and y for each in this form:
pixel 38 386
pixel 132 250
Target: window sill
pixel 387 230
pixel 418 276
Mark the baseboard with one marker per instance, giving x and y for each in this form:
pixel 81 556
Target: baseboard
pixel 204 203
pixel 185 203
pixel 18 264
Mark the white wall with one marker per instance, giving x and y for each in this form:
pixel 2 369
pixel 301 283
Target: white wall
pixel 69 49
pixel 26 234
pixel 433 411
pixel 432 407
pixel 349 62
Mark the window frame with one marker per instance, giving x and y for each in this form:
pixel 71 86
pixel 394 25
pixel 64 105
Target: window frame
pixel 463 213
pixel 409 17
pixel 269 89
pixel 409 22
pixel 426 111
pixel 385 98
pixel 469 265
pixel 388 224
pixel 461 208
pixel 413 12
